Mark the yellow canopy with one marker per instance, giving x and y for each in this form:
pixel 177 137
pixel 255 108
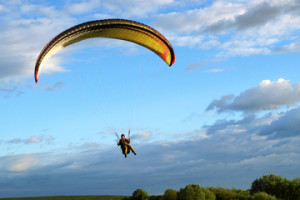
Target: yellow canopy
pixel 111 28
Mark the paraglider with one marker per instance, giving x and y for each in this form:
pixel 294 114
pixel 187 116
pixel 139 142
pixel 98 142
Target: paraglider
pixel 122 29
pixel 110 28
pixel 125 145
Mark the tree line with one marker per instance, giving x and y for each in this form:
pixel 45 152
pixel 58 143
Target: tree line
pixel 268 187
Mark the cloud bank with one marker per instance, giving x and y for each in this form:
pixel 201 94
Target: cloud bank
pixel 277 99
pixel 268 95
pixel 236 27
pixel 218 160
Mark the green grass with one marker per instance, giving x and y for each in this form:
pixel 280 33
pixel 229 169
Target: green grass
pixel 101 197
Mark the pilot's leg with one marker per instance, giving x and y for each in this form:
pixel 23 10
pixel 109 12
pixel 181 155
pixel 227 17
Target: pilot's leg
pixel 131 148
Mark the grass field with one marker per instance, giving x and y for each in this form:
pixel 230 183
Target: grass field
pixel 101 197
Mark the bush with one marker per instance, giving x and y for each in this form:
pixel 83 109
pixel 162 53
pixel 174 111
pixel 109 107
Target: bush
pixel 233 194
pixel 263 196
pixel 294 189
pixel 139 194
pixel 277 186
pixel 155 197
pixel 195 192
pixel 241 194
pixel 269 184
pixel 222 193
pixel 170 194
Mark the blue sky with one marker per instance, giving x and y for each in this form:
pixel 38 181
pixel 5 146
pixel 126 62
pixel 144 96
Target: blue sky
pixel 226 113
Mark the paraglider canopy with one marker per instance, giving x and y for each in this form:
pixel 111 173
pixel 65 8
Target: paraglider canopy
pixel 111 28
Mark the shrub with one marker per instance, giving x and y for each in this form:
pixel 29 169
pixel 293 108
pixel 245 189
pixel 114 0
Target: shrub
pixel 155 197
pixel 195 192
pixel 233 194
pixel 263 196
pixel 139 194
pixel 170 194
pixel 277 186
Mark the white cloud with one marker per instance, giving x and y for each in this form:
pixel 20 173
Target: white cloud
pixel 268 95
pixel 195 20
pixel 287 125
pixel 23 163
pixel 237 27
pixel 191 41
pixel 142 135
pixel 250 125
pixel 90 145
pixel 83 7
pixel 34 139
pixel 22 38
pixel 293 47
pixel 1 8
pixel 272 125
pixel 196 65
pixel 31 140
